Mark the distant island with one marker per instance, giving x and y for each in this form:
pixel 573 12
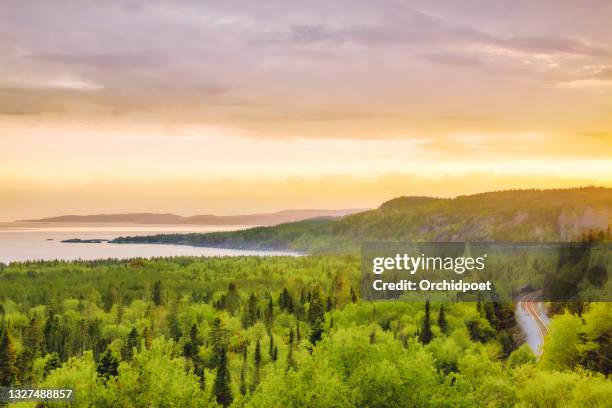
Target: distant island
pixel 266 219
pixel 84 241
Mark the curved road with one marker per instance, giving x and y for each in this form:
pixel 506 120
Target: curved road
pixel 533 320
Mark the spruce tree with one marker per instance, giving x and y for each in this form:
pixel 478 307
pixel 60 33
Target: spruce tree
pixel 316 316
pixel 8 359
pixel 298 336
pixel 221 389
pixel 157 294
pixel 243 384
pixel 108 366
pixel 271 345
pixel 442 323
pixel 290 359
pixel 270 311
pixel 133 342
pixel 257 360
pixel 426 335
pixel 218 340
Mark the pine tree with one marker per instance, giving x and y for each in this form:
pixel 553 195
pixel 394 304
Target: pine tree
pixel 198 370
pixel 243 385
pixel 108 366
pixel 271 345
pixel 221 388
pixel 290 359
pixel 8 359
pixel 218 339
pixel 250 315
pixel 442 323
pixel 298 336
pixel 426 335
pixel 52 363
pixel 32 348
pixel 270 311
pixel 257 365
pixel 157 294
pixel 316 317
pixel 133 342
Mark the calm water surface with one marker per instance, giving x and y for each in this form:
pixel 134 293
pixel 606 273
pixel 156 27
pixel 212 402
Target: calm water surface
pixel 35 241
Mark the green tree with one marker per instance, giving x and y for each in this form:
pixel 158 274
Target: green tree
pixel 442 323
pixel 221 388
pixel 133 342
pixel 157 294
pixel 257 361
pixel 243 369
pixel 218 339
pixel 8 359
pixel 426 335
pixel 271 345
pixel 291 365
pixel 108 366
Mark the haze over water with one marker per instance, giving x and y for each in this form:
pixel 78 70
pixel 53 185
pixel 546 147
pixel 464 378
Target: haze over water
pixel 32 241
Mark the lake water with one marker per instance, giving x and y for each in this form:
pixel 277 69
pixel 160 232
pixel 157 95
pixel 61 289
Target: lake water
pixel 35 241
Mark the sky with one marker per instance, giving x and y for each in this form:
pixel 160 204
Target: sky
pixel 196 107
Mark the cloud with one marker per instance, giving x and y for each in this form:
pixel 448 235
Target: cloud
pixel 455 60
pixel 413 27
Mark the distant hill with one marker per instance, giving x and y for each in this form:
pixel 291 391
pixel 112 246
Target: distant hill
pixel 245 219
pixel 510 216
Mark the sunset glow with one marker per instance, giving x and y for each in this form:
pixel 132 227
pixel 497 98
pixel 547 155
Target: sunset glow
pixel 233 107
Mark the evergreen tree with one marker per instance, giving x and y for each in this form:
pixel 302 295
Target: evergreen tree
pixel 52 363
pixel 271 345
pixel 270 311
pixel 221 388
pixel 316 317
pixel 316 332
pixel 191 348
pixel 257 365
pixel 157 295
pixel 426 335
pixel 232 301
pixel 243 384
pixel 442 323
pixel 199 371
pixel 8 359
pixel 290 359
pixel 108 365
pixel 250 316
pixel 32 348
pixel 218 340
pixel 133 342
pixel 173 322
pixel 298 336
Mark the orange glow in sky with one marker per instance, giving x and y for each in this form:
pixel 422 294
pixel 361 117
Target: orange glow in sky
pixel 240 107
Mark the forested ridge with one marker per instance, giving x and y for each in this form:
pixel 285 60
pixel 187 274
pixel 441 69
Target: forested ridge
pixel 279 332
pixel 294 331
pixel 505 216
